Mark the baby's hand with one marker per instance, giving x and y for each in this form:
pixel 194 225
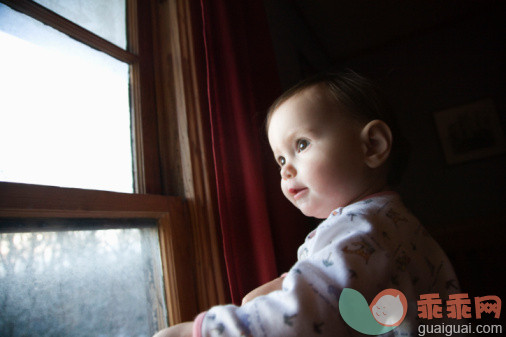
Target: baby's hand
pixel 178 330
pixel 264 289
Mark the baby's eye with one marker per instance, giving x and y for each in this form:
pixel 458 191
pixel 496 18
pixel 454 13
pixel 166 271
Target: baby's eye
pixel 302 144
pixel 281 161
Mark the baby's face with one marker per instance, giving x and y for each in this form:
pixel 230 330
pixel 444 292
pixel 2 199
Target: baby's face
pixel 319 150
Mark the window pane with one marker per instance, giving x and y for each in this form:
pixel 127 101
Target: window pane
pixel 106 18
pixel 64 110
pixel 80 282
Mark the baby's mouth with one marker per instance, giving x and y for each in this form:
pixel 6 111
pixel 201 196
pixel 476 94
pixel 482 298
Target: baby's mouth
pixel 297 192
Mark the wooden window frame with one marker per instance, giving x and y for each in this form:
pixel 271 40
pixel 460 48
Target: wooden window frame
pixel 175 177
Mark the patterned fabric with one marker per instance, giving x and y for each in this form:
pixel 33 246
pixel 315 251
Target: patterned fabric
pixel 371 245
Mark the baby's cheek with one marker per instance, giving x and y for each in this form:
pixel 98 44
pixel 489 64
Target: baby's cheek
pixel 284 189
pixel 319 174
pixel 282 186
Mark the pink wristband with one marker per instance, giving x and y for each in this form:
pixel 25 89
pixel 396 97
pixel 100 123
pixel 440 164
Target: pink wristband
pixel 197 324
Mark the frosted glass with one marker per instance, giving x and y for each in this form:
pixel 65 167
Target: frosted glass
pixel 105 18
pixel 64 110
pixel 81 283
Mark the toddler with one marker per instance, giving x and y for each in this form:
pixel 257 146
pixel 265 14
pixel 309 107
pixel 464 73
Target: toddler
pixel 338 154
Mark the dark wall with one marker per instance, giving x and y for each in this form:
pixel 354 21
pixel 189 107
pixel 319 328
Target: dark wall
pixel 462 205
pixel 448 66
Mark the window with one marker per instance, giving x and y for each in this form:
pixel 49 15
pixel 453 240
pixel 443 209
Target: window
pixel 74 130
pixel 80 277
pixel 167 153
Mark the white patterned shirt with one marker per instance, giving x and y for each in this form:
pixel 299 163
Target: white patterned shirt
pixel 371 245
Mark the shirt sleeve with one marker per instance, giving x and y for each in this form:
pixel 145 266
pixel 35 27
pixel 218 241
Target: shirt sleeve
pixel 303 308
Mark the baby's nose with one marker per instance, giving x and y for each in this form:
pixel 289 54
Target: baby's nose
pixel 288 171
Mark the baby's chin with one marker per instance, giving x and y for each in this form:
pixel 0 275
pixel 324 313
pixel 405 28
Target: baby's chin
pixel 314 213
pixel 309 209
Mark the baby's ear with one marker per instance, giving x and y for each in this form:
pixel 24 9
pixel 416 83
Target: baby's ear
pixel 376 139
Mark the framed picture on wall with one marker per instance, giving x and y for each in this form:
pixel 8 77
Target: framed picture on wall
pixel 470 131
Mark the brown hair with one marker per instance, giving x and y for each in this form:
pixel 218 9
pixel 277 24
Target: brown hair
pixel 363 101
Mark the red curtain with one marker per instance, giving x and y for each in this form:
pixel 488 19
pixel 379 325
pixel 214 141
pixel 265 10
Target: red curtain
pixel 242 81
